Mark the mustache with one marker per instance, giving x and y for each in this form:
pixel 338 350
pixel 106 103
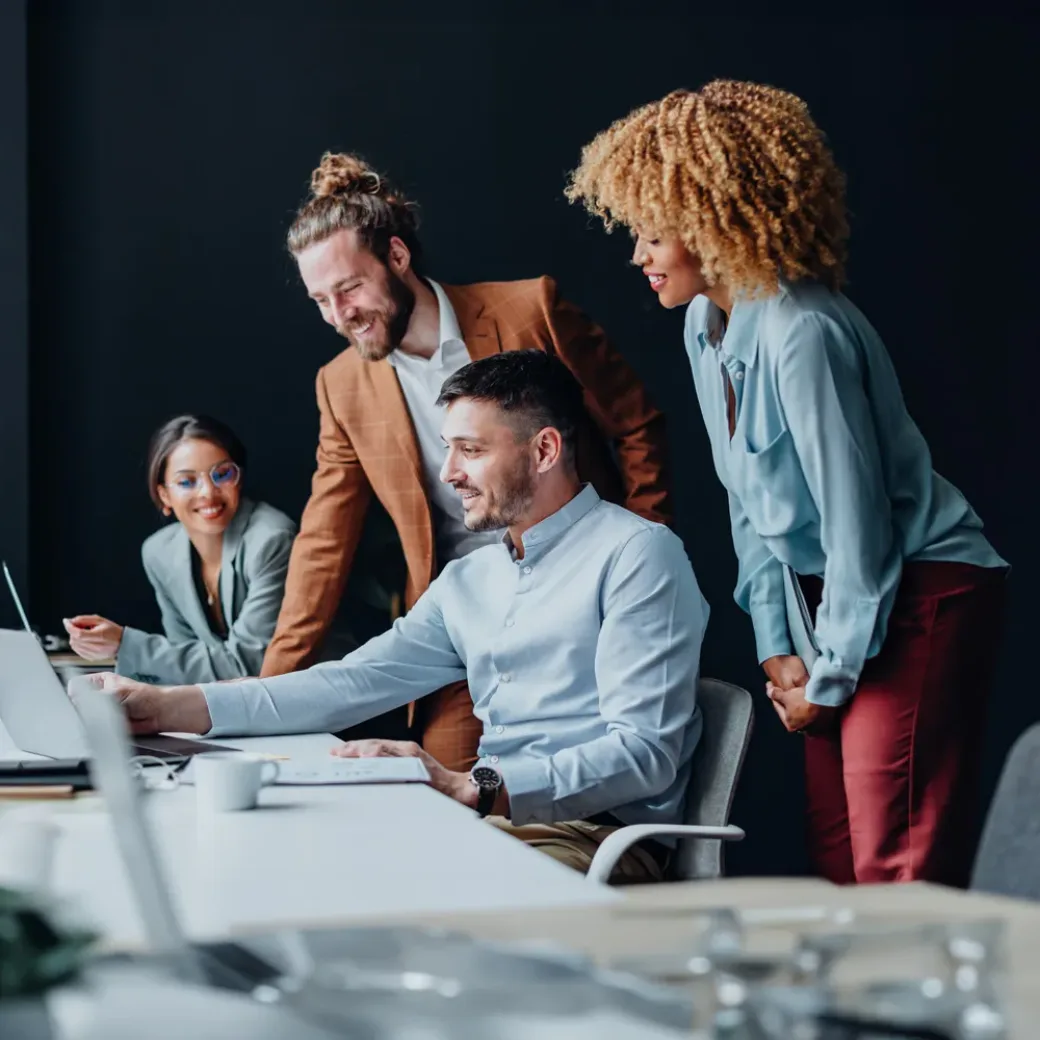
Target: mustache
pixel 346 330
pixel 465 487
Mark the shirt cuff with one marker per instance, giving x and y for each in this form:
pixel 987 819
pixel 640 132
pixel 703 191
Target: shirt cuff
pixel 771 636
pixel 830 686
pixel 227 708
pixel 528 782
pixel 129 653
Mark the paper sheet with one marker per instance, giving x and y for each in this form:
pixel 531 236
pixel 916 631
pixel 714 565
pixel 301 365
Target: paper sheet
pixel 327 769
pixel 330 770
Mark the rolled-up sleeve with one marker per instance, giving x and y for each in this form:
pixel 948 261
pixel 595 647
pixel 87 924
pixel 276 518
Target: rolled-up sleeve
pixel 646 667
pixel 829 417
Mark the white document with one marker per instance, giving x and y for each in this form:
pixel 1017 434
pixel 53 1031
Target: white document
pixel 332 770
pixel 327 769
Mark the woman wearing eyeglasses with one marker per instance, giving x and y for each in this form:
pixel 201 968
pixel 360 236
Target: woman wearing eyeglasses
pixel 218 571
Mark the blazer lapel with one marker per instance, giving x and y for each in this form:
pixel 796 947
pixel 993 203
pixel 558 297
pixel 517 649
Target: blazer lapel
pixel 183 581
pixel 390 405
pixel 479 329
pixel 229 558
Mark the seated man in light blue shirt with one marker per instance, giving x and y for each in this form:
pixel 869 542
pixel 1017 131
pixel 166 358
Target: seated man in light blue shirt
pixel 579 633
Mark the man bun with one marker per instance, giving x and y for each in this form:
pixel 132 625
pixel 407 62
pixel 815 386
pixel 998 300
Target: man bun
pixel 341 174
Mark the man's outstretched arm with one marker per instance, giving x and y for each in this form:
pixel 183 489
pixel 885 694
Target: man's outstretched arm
pixel 412 659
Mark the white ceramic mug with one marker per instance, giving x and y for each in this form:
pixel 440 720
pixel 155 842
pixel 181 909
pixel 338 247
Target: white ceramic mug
pixel 26 851
pixel 229 781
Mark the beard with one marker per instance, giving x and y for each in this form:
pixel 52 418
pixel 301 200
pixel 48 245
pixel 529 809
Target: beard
pixel 392 320
pixel 506 503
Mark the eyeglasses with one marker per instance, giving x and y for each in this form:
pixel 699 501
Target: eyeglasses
pixel 222 475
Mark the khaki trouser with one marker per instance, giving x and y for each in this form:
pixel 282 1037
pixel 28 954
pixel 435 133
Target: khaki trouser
pixel 574 844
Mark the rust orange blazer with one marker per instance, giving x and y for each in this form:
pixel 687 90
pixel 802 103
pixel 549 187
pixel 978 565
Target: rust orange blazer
pixel 367 445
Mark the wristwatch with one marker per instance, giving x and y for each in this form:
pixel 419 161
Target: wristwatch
pixel 488 783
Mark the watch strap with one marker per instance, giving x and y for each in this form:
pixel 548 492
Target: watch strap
pixel 486 799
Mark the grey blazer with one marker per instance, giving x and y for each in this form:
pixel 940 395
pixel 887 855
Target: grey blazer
pixel 254 563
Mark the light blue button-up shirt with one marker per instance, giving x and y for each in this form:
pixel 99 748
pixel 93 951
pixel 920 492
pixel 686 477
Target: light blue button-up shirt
pixel 582 659
pixel 826 472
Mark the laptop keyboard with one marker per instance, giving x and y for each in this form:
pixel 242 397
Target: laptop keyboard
pixel 168 748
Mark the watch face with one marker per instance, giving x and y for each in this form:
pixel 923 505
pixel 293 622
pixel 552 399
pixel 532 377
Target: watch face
pixel 486 777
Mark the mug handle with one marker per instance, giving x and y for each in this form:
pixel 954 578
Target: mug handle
pixel 265 781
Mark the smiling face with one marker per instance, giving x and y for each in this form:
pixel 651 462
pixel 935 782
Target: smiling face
pixel 673 271
pixel 200 485
pixel 493 470
pixel 365 300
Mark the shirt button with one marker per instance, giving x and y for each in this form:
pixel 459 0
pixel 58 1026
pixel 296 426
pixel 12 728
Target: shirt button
pixel 494 758
pixel 510 622
pixel 739 375
pixel 500 729
pixel 527 570
pixel 506 677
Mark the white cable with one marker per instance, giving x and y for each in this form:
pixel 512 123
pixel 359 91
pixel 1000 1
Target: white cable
pixel 169 782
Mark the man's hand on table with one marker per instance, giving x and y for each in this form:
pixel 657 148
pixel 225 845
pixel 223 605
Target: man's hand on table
pixel 156 709
pixel 454 785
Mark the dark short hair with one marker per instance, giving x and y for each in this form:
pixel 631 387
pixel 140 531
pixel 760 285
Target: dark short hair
pixel 532 386
pixel 188 428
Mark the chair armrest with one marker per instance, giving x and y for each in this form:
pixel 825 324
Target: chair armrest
pixel 615 846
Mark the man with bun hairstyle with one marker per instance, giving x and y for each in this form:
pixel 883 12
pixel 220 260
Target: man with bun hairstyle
pixel 356 246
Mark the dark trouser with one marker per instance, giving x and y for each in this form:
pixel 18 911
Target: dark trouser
pixel 893 792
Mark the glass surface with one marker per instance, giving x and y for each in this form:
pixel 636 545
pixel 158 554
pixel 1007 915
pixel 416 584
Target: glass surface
pixel 449 984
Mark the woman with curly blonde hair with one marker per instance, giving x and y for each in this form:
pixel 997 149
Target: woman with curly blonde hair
pixel 875 598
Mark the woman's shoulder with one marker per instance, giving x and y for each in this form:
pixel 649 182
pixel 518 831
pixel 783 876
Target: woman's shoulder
pixel 796 300
pixel 157 544
pixel 267 526
pixel 807 312
pixel 159 549
pixel 267 518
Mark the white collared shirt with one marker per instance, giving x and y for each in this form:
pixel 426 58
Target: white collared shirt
pixel 421 380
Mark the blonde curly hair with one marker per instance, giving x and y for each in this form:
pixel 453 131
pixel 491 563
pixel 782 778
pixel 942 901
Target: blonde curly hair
pixel 738 171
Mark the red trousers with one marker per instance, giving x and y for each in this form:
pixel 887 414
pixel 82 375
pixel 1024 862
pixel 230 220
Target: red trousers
pixel 893 791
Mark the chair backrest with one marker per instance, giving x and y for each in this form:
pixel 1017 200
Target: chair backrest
pixel 728 714
pixel 1008 861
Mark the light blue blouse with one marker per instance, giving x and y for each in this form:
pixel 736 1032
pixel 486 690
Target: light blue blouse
pixel 826 472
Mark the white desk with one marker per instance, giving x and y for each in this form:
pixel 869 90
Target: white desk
pixel 309 856
pixel 125 1005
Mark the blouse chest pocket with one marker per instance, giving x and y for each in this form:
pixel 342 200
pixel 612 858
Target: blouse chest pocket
pixel 771 485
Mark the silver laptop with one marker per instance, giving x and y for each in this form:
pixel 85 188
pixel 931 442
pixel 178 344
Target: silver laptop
pixel 39 715
pixel 224 964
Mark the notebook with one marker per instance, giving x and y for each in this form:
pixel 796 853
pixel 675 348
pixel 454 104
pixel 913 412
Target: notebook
pixel 799 623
